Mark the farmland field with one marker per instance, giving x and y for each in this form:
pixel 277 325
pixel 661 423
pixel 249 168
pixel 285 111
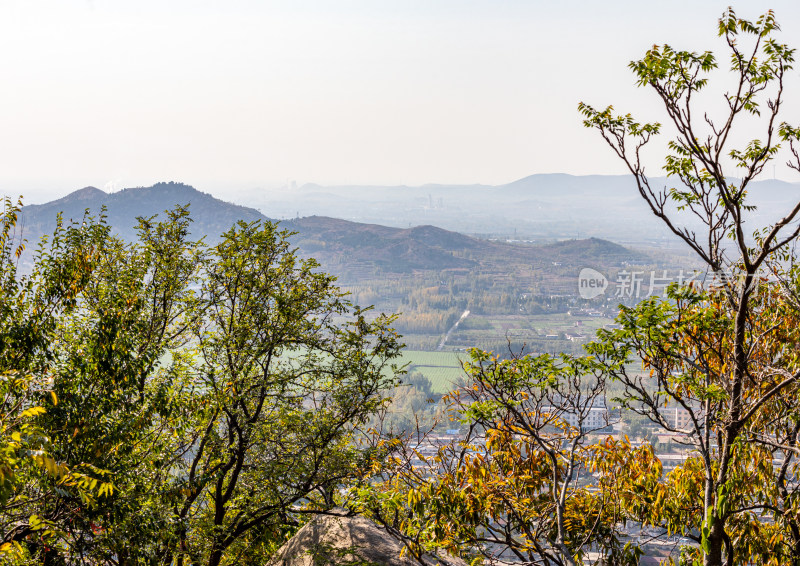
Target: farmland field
pixel 443 369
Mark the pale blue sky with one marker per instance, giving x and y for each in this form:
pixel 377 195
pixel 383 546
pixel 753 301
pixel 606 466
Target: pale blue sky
pixel 239 94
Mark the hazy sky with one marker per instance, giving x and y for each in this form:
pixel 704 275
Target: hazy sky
pixel 244 94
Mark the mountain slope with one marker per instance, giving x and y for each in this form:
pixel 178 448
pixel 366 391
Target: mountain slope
pixel 211 216
pixel 393 249
pixel 333 241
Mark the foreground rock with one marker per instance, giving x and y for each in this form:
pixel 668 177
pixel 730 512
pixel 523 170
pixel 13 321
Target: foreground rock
pixel 348 541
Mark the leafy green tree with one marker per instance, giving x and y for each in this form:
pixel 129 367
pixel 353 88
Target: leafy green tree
pixel 285 382
pixel 124 400
pixel 686 345
pixel 31 306
pixel 414 406
pixel 720 354
pixel 190 403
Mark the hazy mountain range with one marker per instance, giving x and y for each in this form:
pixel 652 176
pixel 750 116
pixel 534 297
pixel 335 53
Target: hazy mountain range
pixel 538 207
pixel 392 227
pixel 337 243
pixel 334 241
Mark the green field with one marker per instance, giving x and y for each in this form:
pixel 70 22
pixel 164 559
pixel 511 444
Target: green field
pixel 443 369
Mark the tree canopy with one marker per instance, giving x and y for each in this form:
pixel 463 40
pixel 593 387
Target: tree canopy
pixel 171 402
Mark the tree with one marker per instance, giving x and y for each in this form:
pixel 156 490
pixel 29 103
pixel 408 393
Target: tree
pixel 195 402
pixel 519 485
pixel 686 346
pixel 414 405
pixel 710 351
pixel 285 383
pixel 30 308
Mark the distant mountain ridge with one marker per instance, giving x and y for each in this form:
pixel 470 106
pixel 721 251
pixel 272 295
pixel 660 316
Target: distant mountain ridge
pixel 539 207
pixel 334 242
pixel 396 249
pixel 431 248
pixel 211 215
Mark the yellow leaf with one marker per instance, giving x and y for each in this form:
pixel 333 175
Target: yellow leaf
pixel 32 412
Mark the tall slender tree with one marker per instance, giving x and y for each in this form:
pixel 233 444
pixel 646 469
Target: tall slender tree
pixel 707 351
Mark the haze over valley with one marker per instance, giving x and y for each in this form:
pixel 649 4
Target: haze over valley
pixel 542 207
pixel 502 253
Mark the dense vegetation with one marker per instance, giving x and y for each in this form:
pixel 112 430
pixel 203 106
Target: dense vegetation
pixel 169 402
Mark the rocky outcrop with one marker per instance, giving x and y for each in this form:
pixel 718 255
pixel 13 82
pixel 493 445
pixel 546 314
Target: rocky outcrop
pixel 337 540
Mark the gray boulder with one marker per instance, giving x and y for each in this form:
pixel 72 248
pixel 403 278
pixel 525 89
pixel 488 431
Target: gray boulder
pixel 336 540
